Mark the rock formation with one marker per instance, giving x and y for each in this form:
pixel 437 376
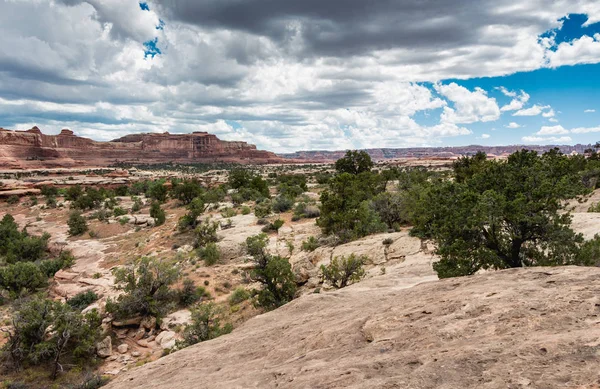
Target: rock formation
pixel 33 149
pixel 517 328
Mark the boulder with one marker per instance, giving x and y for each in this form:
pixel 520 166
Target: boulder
pixel 123 348
pixel 148 322
pixel 166 339
pixel 104 347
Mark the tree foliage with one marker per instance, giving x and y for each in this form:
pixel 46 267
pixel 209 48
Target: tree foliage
pixel 341 272
pixel 354 162
pixel 273 272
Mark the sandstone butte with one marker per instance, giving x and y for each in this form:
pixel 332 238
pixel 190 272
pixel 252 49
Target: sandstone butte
pixel 517 328
pixel 33 149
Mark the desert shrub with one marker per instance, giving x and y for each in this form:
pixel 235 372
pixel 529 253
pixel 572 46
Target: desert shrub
pixel 118 211
pixel 157 191
pixel 18 245
pixel 246 210
pixel 73 193
pixel 388 241
pixel 205 233
pixel 282 204
pixel 262 209
pixel 21 278
pixel 102 215
pixel 248 184
pixel 50 332
pixel 51 202
pixel 82 300
pixel 274 273
pixel 77 224
pixel 323 178
pixel 33 201
pixel 205 325
pixel 91 199
pixel 343 271
pixel 146 289
pixel 137 204
pixel 228 212
pixel 304 210
pixel 210 253
pixel 310 244
pixel 49 267
pixel 187 191
pixel 589 255
pixel 391 209
pixel 12 200
pixel 157 213
pixel 49 191
pixel 239 295
pixel 190 293
pixel 124 220
pixel 273 226
pixel 121 190
pixel 190 220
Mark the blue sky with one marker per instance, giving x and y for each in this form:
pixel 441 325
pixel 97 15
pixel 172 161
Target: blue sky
pixel 299 75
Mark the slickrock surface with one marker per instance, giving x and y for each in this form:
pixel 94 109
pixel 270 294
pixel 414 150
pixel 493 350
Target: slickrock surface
pixel 518 328
pixel 33 149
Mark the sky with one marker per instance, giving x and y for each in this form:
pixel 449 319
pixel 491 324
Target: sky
pixel 306 74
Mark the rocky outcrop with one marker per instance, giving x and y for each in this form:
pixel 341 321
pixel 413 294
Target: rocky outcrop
pixel 33 149
pixel 518 328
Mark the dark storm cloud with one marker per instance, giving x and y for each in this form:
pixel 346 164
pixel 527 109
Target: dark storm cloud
pixel 350 27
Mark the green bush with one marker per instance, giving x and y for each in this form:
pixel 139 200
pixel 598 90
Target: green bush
pixel 21 277
pixel 354 162
pixel 50 266
pixel 205 325
pixel 273 226
pixel 239 295
pixel 82 300
pixel 273 272
pixel 146 289
pixel 343 271
pixel 157 213
pixel 246 210
pixel 118 211
pixel 205 233
pixel 77 224
pixel 52 333
pixel 210 253
pixel 263 209
pixel 228 212
pixel 137 204
pixel 18 245
pixel 282 204
pixel 190 293
pixel 12 200
pixel 310 244
pixel 187 191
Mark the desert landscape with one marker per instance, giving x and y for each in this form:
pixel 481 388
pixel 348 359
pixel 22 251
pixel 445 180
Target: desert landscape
pixel 352 303
pixel 299 194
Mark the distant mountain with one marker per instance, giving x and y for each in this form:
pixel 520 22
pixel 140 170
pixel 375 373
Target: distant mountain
pixel 430 152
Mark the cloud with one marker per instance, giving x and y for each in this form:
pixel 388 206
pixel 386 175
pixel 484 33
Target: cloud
pixel 585 130
pixel 485 136
pixel 549 114
pixel 517 102
pixel 513 125
pixel 589 111
pixel 282 74
pixel 469 107
pixel 546 140
pixel 554 130
pixel 532 111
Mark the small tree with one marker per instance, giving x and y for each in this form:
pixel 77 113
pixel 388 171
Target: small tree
pixel 157 213
pixel 205 325
pixel 273 272
pixel 206 233
pixel 146 289
pixel 354 162
pixel 343 271
pixel 210 253
pixel 77 224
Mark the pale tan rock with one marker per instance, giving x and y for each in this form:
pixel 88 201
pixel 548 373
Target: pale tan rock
pixel 104 347
pixel 123 348
pixel 536 327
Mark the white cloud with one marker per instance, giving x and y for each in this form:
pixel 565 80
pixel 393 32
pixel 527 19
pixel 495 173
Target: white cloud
pixel 585 50
pixel 549 114
pixel 517 102
pixel 532 111
pixel 553 120
pixel 546 140
pixel 585 130
pixel 469 107
pixel 513 125
pixel 554 130
pixel 485 136
pixel 589 111
pixel 506 92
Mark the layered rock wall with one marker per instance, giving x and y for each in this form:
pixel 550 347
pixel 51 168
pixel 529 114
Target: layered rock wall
pixel 32 149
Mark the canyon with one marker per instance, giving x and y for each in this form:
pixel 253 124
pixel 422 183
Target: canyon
pixel 32 149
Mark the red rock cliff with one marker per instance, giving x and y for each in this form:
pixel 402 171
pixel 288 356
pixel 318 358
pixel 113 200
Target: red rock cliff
pixel 31 148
